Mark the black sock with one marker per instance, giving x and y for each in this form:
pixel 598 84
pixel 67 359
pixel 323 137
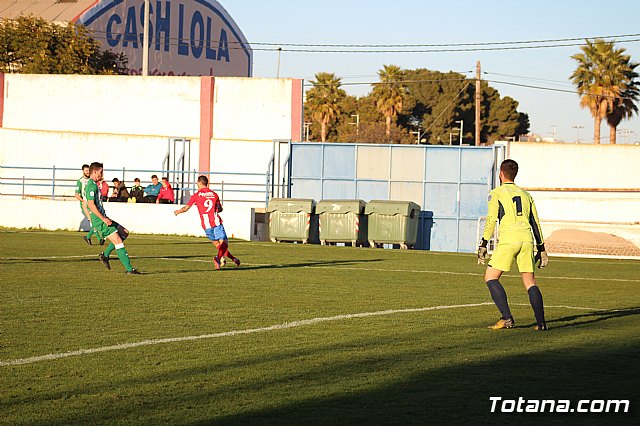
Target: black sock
pixel 535 298
pixel 499 297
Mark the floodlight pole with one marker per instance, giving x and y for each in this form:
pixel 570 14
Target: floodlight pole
pixel 461 127
pixel 145 41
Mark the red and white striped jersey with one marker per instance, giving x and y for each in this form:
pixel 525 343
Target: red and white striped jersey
pixel 208 204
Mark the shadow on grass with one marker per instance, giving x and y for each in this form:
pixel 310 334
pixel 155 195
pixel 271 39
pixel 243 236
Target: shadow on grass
pixel 587 318
pixel 84 258
pixel 245 267
pixel 455 393
pixel 460 394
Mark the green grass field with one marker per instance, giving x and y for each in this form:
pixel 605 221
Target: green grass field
pixel 257 361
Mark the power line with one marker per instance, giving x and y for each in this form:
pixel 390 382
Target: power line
pixel 551 89
pixel 447 107
pixel 173 41
pixel 474 49
pixel 528 78
pixel 450 44
pixel 386 82
pixel 412 45
pixel 508 83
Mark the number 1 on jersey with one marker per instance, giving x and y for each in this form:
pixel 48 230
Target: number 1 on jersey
pixel 518 202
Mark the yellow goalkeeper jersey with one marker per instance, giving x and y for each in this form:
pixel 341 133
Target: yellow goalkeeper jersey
pixel 514 208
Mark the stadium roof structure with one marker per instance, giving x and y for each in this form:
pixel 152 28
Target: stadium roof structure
pixel 51 10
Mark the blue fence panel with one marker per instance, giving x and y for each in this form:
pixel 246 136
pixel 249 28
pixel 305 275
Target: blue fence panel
pixel 473 200
pixel 339 161
pixel 441 199
pixel 444 234
pixel 339 189
pixel 442 164
pixel 476 165
pixel 308 161
pixel 467 231
pixel 371 190
pixel 456 181
pixel 306 188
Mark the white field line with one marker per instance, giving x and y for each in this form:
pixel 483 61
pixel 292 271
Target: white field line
pixel 50 257
pixel 417 271
pixel 283 326
pixel 470 273
pixel 562 258
pixel 558 257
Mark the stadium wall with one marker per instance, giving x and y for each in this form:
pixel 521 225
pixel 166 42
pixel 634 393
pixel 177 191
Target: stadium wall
pixel 580 182
pixel 68 120
pixel 583 187
pixel 239 220
pixel 126 122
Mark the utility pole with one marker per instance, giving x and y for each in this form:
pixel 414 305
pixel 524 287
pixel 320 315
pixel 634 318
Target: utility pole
pixel 577 127
pixel 478 96
pixel 145 41
pixel 278 70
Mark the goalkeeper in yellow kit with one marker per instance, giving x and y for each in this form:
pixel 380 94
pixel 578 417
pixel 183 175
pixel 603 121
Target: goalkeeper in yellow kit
pixel 513 207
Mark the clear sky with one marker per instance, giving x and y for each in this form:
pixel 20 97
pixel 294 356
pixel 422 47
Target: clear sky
pixel 444 22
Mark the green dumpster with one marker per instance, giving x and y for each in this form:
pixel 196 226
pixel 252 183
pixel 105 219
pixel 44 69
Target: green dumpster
pixel 293 219
pixel 342 221
pixel 392 222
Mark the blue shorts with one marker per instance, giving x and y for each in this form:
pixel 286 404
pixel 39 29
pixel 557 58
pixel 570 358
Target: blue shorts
pixel 216 234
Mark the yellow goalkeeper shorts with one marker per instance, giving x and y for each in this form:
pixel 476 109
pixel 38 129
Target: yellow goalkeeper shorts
pixel 505 253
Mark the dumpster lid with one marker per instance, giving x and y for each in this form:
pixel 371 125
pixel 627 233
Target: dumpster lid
pixel 340 206
pixel 291 205
pixel 391 207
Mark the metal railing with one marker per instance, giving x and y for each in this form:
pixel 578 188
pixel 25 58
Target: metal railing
pixel 56 183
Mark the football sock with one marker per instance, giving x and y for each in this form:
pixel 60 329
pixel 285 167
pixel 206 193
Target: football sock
pixel 499 297
pixel 222 248
pixel 227 253
pixel 535 298
pixel 91 233
pixel 124 257
pixel 109 249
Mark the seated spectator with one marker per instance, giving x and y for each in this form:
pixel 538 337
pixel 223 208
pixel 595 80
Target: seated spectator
pixel 151 191
pixel 166 193
pixel 104 190
pixel 137 191
pixel 120 193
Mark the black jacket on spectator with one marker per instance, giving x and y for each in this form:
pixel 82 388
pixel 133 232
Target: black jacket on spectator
pixel 137 192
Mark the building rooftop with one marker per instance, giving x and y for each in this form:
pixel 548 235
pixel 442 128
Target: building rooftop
pixel 51 10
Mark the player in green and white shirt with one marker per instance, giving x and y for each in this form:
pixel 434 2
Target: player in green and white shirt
pixel 80 185
pixel 514 208
pixel 103 226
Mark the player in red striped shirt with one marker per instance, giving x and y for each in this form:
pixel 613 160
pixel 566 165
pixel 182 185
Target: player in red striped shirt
pixel 209 207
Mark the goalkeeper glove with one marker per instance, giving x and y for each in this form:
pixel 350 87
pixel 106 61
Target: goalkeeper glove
pixel 541 257
pixel 482 252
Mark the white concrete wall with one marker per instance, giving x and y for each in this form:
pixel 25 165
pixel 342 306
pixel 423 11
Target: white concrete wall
pixel 252 109
pixel 123 105
pixel 137 218
pixel 28 148
pixel 598 207
pixel 125 122
pixel 563 165
pixel 593 168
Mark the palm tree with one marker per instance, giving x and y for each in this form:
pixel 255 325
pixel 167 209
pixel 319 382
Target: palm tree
pixel 602 75
pixel 625 106
pixel 323 100
pixel 390 94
